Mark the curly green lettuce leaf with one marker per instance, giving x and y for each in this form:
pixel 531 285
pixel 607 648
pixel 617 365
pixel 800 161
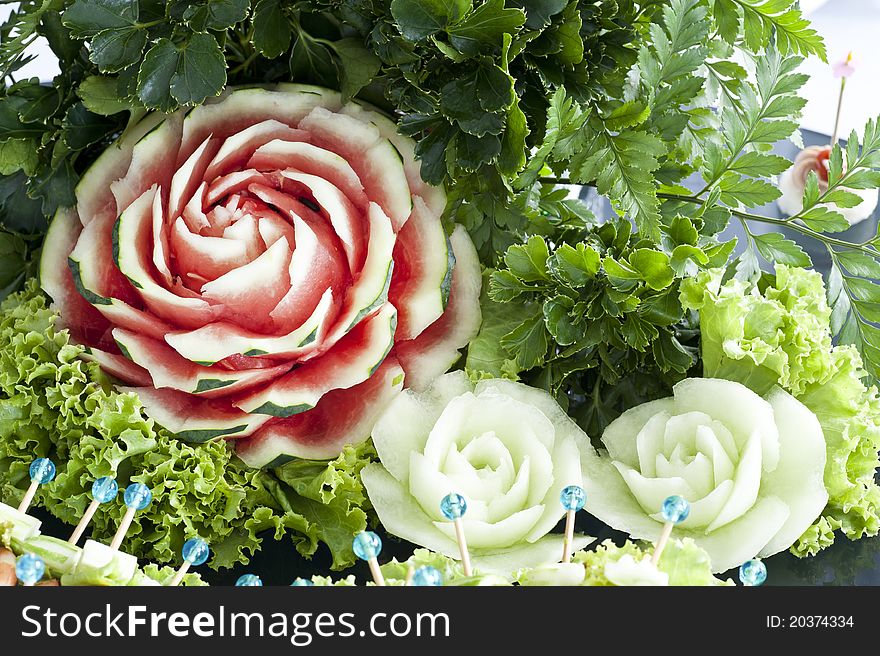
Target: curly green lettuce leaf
pixel 56 405
pixel 780 336
pixel 779 333
pixel 682 560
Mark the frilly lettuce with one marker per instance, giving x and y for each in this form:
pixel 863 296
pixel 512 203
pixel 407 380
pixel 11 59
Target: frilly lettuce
pixel 682 561
pixel 780 334
pixel 54 404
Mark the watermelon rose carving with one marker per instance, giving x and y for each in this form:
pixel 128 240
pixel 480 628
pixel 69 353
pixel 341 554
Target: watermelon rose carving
pixel 268 267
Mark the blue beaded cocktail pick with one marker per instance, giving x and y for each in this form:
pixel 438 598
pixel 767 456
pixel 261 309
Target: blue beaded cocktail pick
pixel 675 510
pixel 572 499
pixel 427 576
pixel 29 568
pixel 300 582
pixel 137 497
pixel 753 572
pixel 367 546
pixel 453 506
pixel 248 580
pixel 195 552
pixel 42 470
pixel 104 490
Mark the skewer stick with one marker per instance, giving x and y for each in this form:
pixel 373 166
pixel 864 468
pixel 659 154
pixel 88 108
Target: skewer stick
pixel 137 497
pixel 661 542
pixel 572 499
pixel 104 490
pixel 124 525
pixel 42 470
pixel 195 551
pixel 675 510
pixel 179 574
pixel 367 546
pixel 453 506
pixel 378 578
pixel 462 546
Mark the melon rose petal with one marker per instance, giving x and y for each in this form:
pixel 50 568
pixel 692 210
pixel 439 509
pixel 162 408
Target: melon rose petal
pixel 509 449
pixel 750 466
pixel 268 268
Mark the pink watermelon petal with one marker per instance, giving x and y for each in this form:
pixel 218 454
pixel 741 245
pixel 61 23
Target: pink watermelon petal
pixel 194 211
pixel 149 163
pixel 232 183
pixel 228 343
pixel 344 217
pixel 232 112
pixel 86 325
pixel 315 267
pixel 272 228
pixel 435 350
pixel 238 147
pixel 125 316
pixel 421 269
pixel 189 176
pixel 434 197
pixel 94 267
pixel 305 157
pixel 93 195
pixel 246 230
pixel 370 154
pixel 207 257
pixel 249 293
pixel 161 256
pixel 344 416
pixel 118 366
pixel 134 234
pixel 352 360
pixel 195 419
pixel 168 369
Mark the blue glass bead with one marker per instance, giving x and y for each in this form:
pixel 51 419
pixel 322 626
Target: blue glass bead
pixel 573 498
pixel 248 580
pixel 453 506
pixel 301 582
pixel 753 572
pixel 195 551
pixel 42 470
pixel 675 509
pixel 29 568
pixel 427 576
pixel 138 496
pixel 105 489
pixel 366 545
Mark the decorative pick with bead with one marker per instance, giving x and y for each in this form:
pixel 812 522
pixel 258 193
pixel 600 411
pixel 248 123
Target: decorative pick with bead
pixel 104 490
pixel 137 497
pixel 29 568
pixel 453 506
pixel 842 69
pixel 427 576
pixel 301 582
pixel 753 572
pixel 675 510
pixel 248 581
pixel 572 499
pixel 42 470
pixel 195 552
pixel 367 546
